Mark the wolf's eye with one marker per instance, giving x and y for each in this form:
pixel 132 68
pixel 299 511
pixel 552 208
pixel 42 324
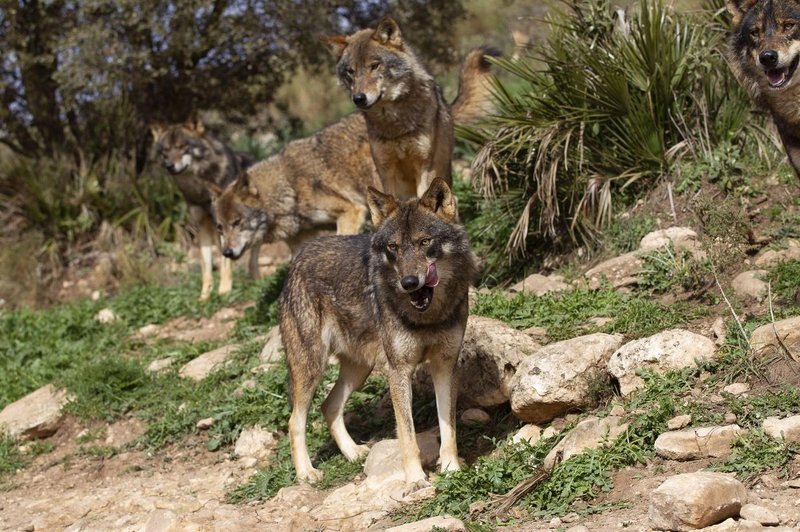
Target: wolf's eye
pixel 754 34
pixel 425 242
pixel 788 26
pixel 349 72
pixel 392 247
pixel 375 65
pixel 236 223
pixel 219 227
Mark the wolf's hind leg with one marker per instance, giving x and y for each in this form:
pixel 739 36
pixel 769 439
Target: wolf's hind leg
pixel 306 367
pixel 351 377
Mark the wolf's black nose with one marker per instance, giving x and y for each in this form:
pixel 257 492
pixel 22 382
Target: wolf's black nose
pixel 228 252
pixel 768 58
pixel 409 282
pixel 359 98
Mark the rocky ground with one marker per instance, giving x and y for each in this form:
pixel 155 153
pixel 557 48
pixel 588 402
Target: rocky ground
pixel 544 390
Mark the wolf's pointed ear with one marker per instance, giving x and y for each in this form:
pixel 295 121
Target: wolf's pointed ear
pixel 336 44
pixel 440 200
pixel 157 129
pixel 388 32
pixel 738 9
pixel 194 123
pixel 381 205
pixel 243 185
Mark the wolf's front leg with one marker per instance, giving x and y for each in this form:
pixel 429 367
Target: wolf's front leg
pixel 400 388
pixel 445 384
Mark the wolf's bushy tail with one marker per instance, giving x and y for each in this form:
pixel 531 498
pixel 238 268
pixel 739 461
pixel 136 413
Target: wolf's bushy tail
pixel 474 99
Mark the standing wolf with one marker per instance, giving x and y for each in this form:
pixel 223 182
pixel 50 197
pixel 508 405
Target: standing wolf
pixel 402 293
pixel 196 159
pixel 764 51
pixel 409 123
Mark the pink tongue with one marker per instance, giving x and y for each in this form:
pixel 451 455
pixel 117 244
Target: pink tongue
pixel 776 75
pixel 432 277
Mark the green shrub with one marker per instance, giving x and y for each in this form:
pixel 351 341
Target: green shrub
pixel 601 115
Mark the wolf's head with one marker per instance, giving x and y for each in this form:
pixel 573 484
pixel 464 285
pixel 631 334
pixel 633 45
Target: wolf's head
pixel 765 40
pixel 240 218
pixel 180 147
pixel 419 245
pixel 375 65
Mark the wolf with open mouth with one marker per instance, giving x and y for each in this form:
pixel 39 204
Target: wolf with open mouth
pixel 764 51
pixel 399 293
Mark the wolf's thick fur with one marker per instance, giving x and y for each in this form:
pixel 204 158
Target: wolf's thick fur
pixel 764 51
pixel 400 293
pixel 409 123
pixel 196 159
pixel 316 182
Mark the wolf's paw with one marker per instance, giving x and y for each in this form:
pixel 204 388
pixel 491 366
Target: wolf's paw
pixel 450 465
pixel 412 487
pixel 224 289
pixel 357 453
pixel 311 476
pixel 204 296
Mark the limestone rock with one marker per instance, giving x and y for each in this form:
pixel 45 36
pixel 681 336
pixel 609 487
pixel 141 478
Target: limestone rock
pixel 557 378
pixel 538 284
pixel 106 315
pixel 530 433
pixel 741 525
pixel 737 388
pixel 442 522
pixel 750 285
pixel 695 500
pixel 672 349
pixel 475 416
pixel 159 364
pixel 161 521
pixel 787 429
pixel 205 423
pixel 788 331
pixel 771 257
pixel 491 353
pixel 271 352
pixel 384 464
pixel 37 415
pixel 682 238
pixel 202 366
pixel 759 514
pixel 256 442
pixel 679 422
pixel 694 443
pixel 590 433
pixel 620 271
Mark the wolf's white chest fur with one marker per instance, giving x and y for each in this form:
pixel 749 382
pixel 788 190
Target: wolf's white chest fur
pixel 417 146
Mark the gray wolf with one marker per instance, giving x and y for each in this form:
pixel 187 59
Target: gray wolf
pixel 764 51
pixel 400 293
pixel 409 123
pixel 195 159
pixel 313 183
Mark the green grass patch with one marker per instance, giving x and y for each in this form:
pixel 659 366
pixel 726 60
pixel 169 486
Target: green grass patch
pixel 785 279
pixel 11 458
pixel 667 269
pixel 565 314
pixel 755 453
pixel 626 233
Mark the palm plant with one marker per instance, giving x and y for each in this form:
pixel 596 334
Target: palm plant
pixel 604 108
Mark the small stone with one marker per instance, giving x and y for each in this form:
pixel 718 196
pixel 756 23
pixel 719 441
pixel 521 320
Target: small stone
pixel 694 443
pixel 759 514
pixel 249 462
pixel 442 522
pixel 202 366
pixel 36 415
pixel 555 522
pixel 617 410
pixel 590 433
pixel 96 295
pixel 750 285
pixel 475 416
pixel 147 331
pixel 255 441
pixel 530 433
pixel 787 429
pixel 719 331
pixel 106 316
pixel 679 422
pixel 730 418
pixel 737 388
pixel 159 364
pixel 695 500
pixel 205 424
